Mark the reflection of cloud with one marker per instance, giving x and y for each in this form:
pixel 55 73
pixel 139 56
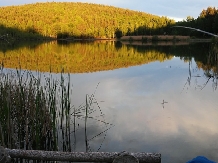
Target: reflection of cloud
pixel 167 131
pixel 182 110
pixel 187 123
pixel 95 133
pixel 184 128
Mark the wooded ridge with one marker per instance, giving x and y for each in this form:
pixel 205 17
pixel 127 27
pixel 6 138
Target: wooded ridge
pixel 85 20
pixel 78 20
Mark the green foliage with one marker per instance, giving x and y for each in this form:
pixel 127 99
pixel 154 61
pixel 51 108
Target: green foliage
pixel 215 41
pixel 63 35
pixel 189 18
pixel 118 33
pixel 215 25
pixel 207 21
pixel 64 20
pixel 15 33
pixel 79 20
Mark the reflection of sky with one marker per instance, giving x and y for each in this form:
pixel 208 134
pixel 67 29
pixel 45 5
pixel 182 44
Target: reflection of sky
pixel 132 97
pixel 131 100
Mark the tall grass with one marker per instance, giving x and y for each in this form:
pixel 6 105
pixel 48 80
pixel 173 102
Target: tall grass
pixel 25 118
pixel 36 112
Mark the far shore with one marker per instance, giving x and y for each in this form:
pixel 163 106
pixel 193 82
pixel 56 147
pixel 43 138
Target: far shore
pixel 145 38
pixel 156 37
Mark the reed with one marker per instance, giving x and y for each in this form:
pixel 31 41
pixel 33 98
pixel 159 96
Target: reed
pixel 36 112
pixel 25 119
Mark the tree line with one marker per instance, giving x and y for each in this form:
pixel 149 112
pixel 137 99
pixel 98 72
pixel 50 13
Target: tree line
pixel 78 20
pixel 85 20
pixel 207 21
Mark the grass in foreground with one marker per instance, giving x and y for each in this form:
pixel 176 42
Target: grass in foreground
pixel 36 113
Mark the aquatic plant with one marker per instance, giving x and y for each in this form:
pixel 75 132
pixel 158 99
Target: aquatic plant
pixel 25 120
pixel 36 112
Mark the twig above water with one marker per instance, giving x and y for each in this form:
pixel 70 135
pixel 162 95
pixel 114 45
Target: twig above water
pixel 164 102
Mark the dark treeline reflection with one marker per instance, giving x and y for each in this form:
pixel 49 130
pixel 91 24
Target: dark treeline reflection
pixel 204 54
pixel 8 45
pixel 82 57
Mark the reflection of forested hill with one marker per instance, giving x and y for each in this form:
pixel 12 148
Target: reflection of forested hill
pixel 210 61
pixel 12 45
pixel 203 53
pixel 79 57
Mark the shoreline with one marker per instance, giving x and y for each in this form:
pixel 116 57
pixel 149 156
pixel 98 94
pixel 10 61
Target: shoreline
pixel 144 39
pixel 153 38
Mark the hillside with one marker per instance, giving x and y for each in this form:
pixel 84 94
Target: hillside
pixel 78 20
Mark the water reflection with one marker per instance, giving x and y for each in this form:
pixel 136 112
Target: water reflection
pixel 131 99
pixel 187 126
pixel 75 57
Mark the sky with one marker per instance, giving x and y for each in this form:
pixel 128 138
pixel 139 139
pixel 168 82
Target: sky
pixel 176 9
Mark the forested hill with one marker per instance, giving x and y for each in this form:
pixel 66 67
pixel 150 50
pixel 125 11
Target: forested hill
pixel 78 20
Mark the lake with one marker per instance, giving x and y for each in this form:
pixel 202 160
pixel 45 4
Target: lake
pixel 159 97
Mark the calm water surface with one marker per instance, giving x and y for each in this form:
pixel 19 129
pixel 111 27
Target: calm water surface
pixel 180 129
pixel 163 104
